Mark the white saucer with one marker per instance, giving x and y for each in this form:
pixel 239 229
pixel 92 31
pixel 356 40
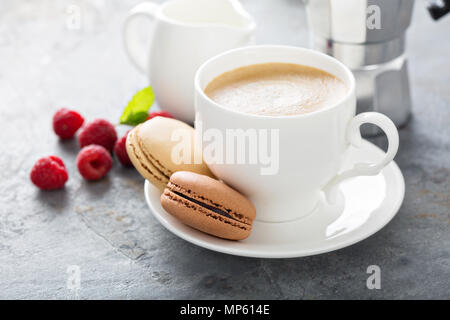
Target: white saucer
pixel 366 205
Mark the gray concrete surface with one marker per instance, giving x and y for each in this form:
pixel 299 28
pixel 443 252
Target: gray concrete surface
pixel 105 227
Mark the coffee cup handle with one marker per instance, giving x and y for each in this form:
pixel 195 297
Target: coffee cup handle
pixel 135 50
pixel 353 136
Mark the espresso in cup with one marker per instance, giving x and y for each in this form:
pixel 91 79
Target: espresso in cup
pixel 276 89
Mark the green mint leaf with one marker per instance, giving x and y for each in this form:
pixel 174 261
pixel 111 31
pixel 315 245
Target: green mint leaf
pixel 137 109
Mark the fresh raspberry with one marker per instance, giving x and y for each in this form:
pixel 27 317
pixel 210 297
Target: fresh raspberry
pixel 49 173
pixel 66 122
pixel 98 131
pixel 166 114
pixel 94 162
pixel 121 151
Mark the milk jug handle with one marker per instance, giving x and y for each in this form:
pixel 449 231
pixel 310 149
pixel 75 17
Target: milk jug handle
pixel 136 51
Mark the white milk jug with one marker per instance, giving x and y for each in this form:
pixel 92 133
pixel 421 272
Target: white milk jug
pixel 185 33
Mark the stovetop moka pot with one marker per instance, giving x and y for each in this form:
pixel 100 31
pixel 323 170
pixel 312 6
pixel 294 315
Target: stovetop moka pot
pixel 369 37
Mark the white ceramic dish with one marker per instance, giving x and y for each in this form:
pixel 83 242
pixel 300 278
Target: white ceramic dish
pixel 366 205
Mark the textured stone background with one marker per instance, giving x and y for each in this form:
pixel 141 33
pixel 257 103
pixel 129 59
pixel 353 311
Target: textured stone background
pixel 106 228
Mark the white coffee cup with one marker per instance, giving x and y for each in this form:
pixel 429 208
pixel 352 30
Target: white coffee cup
pixel 312 146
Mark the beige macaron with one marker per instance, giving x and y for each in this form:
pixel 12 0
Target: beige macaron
pixel 161 146
pixel 208 205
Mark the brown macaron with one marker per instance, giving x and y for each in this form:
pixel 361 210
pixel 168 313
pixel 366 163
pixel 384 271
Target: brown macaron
pixel 208 205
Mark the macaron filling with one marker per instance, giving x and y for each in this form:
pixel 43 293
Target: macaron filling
pixel 154 162
pixel 146 168
pixel 187 203
pixel 206 206
pixel 211 205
